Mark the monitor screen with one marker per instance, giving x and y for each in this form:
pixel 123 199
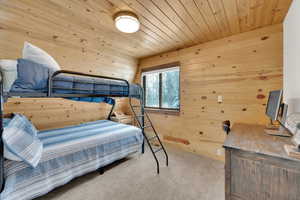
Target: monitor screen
pixel 274 102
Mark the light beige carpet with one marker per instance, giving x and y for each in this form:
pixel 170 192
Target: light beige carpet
pixel 188 177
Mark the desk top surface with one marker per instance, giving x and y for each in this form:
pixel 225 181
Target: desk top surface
pixel 252 138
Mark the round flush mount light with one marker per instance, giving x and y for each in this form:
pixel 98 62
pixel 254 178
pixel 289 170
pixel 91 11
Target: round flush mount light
pixel 127 22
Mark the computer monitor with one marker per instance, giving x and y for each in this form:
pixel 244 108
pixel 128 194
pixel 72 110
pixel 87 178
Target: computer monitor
pixel 274 103
pixel 276 111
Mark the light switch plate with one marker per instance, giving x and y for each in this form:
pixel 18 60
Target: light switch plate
pixel 220 99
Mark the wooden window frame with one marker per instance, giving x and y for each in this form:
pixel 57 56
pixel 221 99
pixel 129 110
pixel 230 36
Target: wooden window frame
pixel 174 111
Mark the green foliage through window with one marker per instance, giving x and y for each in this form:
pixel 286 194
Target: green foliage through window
pixel 162 88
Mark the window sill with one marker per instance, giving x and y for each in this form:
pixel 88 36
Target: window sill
pixel 163 111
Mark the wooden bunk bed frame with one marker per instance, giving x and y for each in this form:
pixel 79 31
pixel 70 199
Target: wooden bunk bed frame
pixel 142 118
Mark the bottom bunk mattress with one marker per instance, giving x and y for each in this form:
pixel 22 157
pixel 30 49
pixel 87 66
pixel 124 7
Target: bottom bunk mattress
pixel 68 153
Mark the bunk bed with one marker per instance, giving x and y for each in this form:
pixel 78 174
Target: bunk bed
pixel 76 150
pixel 71 151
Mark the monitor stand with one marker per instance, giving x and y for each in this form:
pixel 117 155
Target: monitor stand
pixel 279 131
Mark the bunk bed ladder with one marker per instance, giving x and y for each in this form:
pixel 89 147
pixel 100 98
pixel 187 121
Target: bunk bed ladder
pixel 144 122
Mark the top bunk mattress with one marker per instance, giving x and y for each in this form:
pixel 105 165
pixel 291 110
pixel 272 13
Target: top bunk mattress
pixel 67 84
pixel 34 78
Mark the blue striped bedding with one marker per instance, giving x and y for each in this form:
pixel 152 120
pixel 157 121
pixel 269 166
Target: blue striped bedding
pixel 33 78
pixel 81 85
pixel 66 84
pixel 68 153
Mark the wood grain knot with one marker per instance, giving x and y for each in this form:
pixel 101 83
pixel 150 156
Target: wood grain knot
pixel 260 96
pixel 265 38
pixel 177 140
pixel 263 78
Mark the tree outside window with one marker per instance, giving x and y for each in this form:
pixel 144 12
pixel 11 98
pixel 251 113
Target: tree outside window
pixel 162 88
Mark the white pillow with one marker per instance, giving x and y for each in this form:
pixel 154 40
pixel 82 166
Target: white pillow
pixel 35 54
pixel 10 73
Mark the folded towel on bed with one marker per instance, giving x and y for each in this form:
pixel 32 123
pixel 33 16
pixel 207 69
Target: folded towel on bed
pixel 21 142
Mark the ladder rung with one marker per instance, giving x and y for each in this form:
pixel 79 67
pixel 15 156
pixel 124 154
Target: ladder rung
pixel 140 115
pixel 148 126
pixel 136 106
pixel 151 138
pixel 157 150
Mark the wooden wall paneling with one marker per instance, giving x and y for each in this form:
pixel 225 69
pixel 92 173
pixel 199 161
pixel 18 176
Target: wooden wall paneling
pixel 72 58
pixel 281 10
pixel 176 20
pixel 149 20
pixel 76 44
pixel 205 10
pixel 255 13
pixel 242 68
pixel 165 24
pixel 58 24
pixel 244 11
pixel 168 15
pixel 149 8
pixel 147 26
pixel 102 19
pixel 108 11
pixel 54 113
pixel 198 18
pixel 231 12
pixel 218 11
pixel 184 15
pixel 269 8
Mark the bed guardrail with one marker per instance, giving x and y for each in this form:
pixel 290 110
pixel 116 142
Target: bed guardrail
pixel 51 78
pixel 2 181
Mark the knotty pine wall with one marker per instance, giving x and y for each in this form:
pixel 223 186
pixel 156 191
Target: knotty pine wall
pixel 242 68
pixel 54 113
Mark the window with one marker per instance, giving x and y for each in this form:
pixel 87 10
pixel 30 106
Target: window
pixel 161 87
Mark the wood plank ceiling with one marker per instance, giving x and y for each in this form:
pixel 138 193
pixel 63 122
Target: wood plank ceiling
pixel 165 24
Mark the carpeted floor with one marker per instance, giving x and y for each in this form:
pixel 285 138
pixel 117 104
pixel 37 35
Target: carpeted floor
pixel 188 177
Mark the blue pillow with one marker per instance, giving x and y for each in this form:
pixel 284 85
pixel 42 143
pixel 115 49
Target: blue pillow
pixel 31 75
pixel 21 142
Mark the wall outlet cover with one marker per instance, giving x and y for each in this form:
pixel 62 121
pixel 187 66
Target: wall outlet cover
pixel 220 99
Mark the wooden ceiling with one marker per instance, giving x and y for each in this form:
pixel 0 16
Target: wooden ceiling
pixel 165 24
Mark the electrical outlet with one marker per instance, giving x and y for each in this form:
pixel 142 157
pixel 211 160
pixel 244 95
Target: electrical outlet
pixel 220 152
pixel 220 99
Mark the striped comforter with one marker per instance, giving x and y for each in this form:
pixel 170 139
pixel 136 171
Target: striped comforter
pixel 68 153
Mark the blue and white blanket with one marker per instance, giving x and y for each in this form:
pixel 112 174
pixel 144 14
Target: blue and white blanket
pixel 68 153
pixel 21 142
pixel 33 78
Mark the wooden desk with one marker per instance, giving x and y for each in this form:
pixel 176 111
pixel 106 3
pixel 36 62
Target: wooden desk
pixel 257 166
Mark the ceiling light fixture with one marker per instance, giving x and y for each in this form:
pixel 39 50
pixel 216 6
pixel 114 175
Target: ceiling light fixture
pixel 127 22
